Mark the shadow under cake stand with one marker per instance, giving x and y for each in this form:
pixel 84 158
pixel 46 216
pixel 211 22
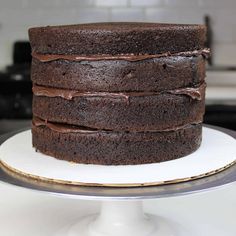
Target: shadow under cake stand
pixel 121 212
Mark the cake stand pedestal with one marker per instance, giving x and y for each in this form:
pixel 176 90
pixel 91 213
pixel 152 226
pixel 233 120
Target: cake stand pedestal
pixel 118 218
pixel 122 210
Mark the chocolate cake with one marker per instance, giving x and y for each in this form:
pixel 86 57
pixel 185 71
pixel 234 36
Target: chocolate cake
pixel 118 93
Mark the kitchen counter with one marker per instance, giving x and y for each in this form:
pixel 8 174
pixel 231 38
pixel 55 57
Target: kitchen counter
pixel 221 95
pixel 221 87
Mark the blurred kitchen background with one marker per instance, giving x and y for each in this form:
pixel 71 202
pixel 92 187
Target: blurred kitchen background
pixel 16 16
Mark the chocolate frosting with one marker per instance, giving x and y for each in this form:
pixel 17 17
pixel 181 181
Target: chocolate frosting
pixel 62 128
pixel 70 94
pixel 65 128
pixel 194 93
pixel 127 57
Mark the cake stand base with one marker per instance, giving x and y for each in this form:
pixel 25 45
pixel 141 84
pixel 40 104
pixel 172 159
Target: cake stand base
pixel 124 218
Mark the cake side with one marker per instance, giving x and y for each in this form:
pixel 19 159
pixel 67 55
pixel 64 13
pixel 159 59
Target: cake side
pixel 155 74
pixel 121 111
pixel 117 38
pixel 114 148
pixel 118 93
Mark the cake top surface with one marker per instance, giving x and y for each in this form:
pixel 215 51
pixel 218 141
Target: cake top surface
pixel 117 38
pixel 121 26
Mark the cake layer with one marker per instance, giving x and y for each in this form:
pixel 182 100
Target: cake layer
pixel 114 148
pixel 155 74
pixel 120 111
pixel 117 38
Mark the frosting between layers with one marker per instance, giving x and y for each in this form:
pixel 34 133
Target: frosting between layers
pixel 194 93
pixel 66 128
pixel 127 57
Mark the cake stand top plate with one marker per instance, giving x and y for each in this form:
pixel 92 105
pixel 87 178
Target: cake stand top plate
pixel 220 179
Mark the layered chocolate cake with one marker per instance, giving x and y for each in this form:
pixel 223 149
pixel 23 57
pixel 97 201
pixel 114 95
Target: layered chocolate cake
pixel 118 93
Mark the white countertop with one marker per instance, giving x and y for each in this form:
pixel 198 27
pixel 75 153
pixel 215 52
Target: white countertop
pixel 221 95
pixel 26 213
pixel 221 87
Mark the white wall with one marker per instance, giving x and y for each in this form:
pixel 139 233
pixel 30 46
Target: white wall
pixel 16 16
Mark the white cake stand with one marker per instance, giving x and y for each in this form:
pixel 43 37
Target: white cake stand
pixel 121 212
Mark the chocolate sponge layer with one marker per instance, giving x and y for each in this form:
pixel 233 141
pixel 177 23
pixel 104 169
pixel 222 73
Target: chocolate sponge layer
pixel 118 75
pixel 153 112
pixel 117 148
pixel 117 38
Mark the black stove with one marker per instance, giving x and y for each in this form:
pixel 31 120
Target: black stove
pixel 15 90
pixel 222 115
